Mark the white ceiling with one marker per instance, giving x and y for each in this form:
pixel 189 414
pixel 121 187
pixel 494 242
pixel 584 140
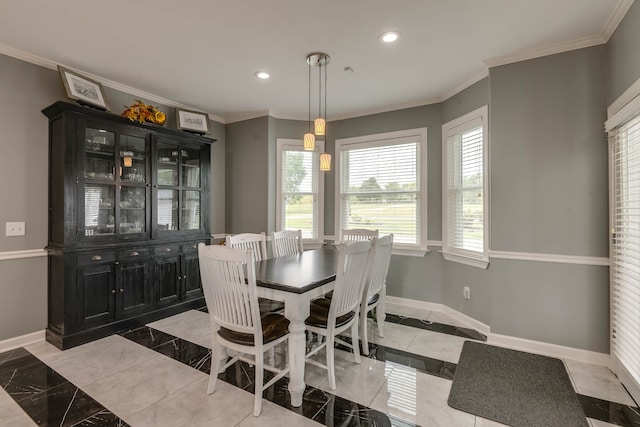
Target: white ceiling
pixel 203 53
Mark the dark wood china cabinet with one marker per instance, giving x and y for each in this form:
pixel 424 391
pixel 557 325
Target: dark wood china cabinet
pixel 128 205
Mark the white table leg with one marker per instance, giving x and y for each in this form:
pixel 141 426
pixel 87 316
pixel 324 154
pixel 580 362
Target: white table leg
pixel 296 310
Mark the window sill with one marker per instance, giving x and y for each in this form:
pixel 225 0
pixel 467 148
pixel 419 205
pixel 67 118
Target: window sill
pixel 410 252
pixel 312 245
pixel 479 263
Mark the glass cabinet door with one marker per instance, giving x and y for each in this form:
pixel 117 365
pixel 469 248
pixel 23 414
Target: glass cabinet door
pixel 133 212
pixel 167 170
pixel 116 193
pixel 99 188
pixel 99 152
pixel 190 168
pixel 133 159
pixel 178 178
pixel 99 210
pixel 190 210
pixel 167 210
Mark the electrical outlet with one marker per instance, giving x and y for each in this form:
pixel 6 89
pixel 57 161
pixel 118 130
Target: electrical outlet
pixel 15 229
pixel 466 292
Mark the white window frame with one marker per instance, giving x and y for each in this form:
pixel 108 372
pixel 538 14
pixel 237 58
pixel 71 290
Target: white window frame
pixel 283 145
pixel 457 126
pixel 382 139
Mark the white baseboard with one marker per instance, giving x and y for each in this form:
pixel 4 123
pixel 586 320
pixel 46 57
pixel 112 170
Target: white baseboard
pixel 531 346
pixel 469 321
pixel 21 341
pixel 548 349
pixel 424 305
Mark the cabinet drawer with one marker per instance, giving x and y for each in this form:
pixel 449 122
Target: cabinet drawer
pixel 190 247
pixel 166 250
pixel 98 257
pixel 133 254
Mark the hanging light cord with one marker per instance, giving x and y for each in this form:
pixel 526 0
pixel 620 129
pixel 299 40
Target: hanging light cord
pixel 309 122
pixel 320 86
pixel 325 102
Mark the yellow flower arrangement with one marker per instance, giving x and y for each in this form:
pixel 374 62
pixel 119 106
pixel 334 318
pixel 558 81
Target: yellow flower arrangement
pixel 141 112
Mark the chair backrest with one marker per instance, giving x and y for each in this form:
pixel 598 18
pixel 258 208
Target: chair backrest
pixel 354 260
pixel 257 243
pixel 286 242
pixel 356 234
pixel 229 285
pixel 380 266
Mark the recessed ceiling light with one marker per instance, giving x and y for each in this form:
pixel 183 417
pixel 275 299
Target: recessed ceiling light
pixel 261 74
pixel 389 36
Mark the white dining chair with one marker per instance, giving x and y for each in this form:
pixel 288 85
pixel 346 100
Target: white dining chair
pixel 286 242
pixel 229 284
pixel 256 242
pixel 375 290
pixel 330 317
pixel 354 234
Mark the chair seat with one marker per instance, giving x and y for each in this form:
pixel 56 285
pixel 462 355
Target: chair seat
pixel 320 314
pixel 269 305
pixel 274 326
pixel 374 299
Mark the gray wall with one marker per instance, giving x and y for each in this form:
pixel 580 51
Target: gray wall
pixel 549 195
pixel 246 177
pixel 549 155
pixel 25 89
pixel 23 191
pixel 457 276
pixel 623 60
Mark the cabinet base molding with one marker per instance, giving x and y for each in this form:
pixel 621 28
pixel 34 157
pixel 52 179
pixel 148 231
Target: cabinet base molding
pixel 64 342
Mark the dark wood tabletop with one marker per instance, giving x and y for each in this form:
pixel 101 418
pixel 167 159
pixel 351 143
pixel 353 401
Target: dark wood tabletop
pixel 299 273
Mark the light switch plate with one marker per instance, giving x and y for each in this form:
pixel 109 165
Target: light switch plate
pixel 15 229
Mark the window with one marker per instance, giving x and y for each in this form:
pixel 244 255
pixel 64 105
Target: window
pixel 300 189
pixel 381 184
pixel 465 213
pixel 624 165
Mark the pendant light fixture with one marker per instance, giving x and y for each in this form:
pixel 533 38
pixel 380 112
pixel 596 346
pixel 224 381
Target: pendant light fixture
pixel 320 60
pixel 309 137
pixel 325 162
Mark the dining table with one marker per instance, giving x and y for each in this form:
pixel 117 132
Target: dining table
pixel 296 280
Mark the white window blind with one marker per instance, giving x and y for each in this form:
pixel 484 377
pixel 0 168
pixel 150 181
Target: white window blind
pixel 625 256
pixel 380 185
pixel 464 203
pixel 299 190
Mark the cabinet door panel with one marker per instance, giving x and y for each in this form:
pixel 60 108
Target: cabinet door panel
pixel 166 278
pixel 135 289
pixel 191 276
pixel 96 299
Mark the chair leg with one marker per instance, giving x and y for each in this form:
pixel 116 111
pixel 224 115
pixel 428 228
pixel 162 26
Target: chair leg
pixel 381 313
pixel 331 361
pixel 363 332
pixel 257 405
pixel 215 365
pixel 355 342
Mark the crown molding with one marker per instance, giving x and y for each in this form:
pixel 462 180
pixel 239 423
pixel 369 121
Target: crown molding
pixel 47 63
pixel 616 17
pixel 396 107
pixel 248 116
pixel 546 51
pixel 469 82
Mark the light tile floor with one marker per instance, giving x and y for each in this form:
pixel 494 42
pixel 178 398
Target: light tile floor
pixel 143 387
